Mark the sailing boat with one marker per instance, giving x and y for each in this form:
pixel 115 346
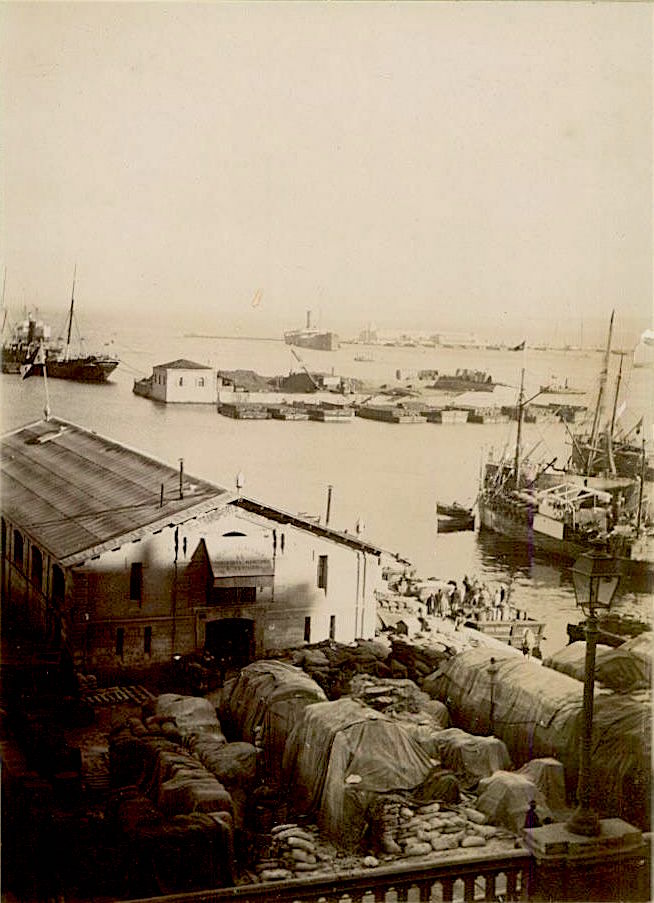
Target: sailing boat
pixel 89 368
pixel 606 449
pixel 566 514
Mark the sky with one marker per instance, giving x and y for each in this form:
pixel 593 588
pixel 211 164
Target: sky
pixel 423 166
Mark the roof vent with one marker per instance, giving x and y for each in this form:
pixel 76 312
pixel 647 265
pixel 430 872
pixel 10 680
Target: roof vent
pixel 46 437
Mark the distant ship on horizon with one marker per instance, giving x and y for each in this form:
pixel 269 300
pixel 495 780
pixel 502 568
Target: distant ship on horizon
pixel 312 337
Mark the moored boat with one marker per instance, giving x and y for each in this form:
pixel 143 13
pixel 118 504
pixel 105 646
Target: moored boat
pixel 62 363
pixel 454 518
pixel 25 340
pixel 569 513
pixel 465 380
pixel 513 631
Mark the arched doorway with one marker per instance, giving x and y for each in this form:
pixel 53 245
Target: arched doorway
pixel 230 641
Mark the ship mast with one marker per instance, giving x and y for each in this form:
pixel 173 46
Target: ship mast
pixel 611 429
pixel 600 399
pixel 640 488
pixel 70 315
pixel 516 462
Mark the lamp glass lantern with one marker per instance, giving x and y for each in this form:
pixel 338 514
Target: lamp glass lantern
pixel 595 578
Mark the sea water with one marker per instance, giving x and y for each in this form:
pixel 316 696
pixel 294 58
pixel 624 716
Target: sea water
pixel 386 477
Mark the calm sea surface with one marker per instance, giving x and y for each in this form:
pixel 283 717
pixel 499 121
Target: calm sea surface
pixel 388 476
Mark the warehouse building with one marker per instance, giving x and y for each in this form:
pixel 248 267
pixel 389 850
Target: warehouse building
pixel 127 562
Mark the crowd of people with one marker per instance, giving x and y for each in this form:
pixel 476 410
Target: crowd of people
pixel 469 600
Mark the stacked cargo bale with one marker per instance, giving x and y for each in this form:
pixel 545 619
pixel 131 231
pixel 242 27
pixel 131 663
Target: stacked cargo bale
pixel 344 759
pixel 172 817
pixel 264 703
pixel 537 718
pixel 418 660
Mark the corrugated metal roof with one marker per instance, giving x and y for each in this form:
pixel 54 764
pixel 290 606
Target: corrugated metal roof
pixel 78 494
pixel 303 523
pixel 181 364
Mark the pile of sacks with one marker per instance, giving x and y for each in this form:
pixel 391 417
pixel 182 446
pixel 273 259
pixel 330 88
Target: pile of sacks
pixel 435 828
pixel 334 665
pixel 293 853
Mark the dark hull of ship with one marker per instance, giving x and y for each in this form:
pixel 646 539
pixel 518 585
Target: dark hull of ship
pixel 321 341
pixel 462 385
pixel 518 526
pixel 82 369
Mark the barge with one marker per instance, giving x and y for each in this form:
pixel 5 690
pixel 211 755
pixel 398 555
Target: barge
pixel 388 414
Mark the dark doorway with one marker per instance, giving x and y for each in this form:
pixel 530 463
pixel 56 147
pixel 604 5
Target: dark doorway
pixel 230 641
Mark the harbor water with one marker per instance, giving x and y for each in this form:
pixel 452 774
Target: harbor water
pixel 386 477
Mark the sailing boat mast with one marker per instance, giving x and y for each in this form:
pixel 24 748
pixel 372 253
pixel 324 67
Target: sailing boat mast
pixel 611 428
pixel 516 462
pixel 4 309
pixel 600 398
pixel 70 315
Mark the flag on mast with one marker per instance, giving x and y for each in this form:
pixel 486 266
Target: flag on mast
pixel 29 369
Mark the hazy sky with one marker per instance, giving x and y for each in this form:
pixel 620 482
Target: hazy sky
pixel 426 165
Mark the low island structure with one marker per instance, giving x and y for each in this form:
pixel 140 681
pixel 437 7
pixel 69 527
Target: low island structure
pixel 179 381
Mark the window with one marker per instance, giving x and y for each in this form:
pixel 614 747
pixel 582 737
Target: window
pixel 201 381
pixel 120 641
pixel 307 630
pixel 147 640
pixel 18 548
pixel 332 627
pixel 37 568
pixel 4 538
pixel 322 572
pixel 181 381
pixel 58 586
pixel 281 542
pixel 136 582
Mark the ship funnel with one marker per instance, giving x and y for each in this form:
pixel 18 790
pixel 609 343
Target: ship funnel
pixel 308 319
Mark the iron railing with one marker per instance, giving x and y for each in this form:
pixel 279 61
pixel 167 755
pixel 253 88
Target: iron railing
pixel 487 877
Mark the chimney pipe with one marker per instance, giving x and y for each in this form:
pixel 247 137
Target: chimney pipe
pixel 329 504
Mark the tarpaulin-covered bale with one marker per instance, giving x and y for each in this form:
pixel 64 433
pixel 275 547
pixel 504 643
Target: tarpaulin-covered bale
pixel 549 777
pixel 627 668
pixel 186 852
pixel 133 758
pixel 538 714
pixel 571 660
pixel 472 757
pixel 193 791
pixel 505 797
pixel 235 766
pixel 190 714
pixel 266 701
pixel 341 757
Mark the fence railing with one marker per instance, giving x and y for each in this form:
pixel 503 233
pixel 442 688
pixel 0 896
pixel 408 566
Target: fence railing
pixel 487 877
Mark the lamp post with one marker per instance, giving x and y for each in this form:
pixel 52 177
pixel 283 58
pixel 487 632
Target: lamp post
pixel 595 577
pixel 492 673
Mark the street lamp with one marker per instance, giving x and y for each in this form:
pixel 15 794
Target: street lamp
pixel 595 577
pixel 493 668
